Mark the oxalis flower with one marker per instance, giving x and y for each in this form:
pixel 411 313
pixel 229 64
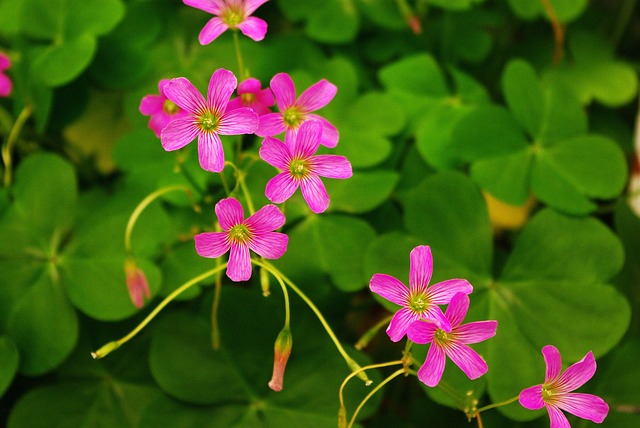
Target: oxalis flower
pixel 5 83
pixel 419 301
pixel 294 112
pixel 161 109
pixel 234 14
pixel 206 119
pixel 452 344
pixel 301 167
pixel 250 94
pixel 556 392
pixel 256 233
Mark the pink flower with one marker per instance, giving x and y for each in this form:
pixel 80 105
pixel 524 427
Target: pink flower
pixel 5 83
pixel 230 14
pixel 206 118
pixel 136 283
pixel 161 109
pixel 293 112
pixel 555 393
pixel 419 301
pixel 301 167
pixel 240 236
pixel 251 95
pixel 452 344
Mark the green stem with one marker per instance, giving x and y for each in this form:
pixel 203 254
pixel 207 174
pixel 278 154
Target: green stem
pixel 236 42
pixel 215 329
pixel 370 394
pixel 494 405
pixel 112 346
pixel 370 334
pixel 350 362
pixel 245 192
pixel 622 21
pixel 355 373
pixel 141 207
pixel 11 141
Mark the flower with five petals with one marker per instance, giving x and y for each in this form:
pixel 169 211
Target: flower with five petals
pixel 250 94
pixel 161 109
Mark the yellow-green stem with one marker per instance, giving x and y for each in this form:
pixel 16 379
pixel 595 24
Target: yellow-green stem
pixel 112 346
pixel 370 334
pixel 141 207
pixel 245 192
pixel 236 42
pixel 215 329
pixel 11 141
pixel 350 362
pixel 355 373
pixel 370 394
pixel 494 405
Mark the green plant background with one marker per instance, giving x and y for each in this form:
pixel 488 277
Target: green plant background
pixel 442 128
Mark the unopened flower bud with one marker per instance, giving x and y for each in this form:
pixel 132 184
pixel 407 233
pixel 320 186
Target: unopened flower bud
pixel 282 350
pixel 136 283
pixel 413 21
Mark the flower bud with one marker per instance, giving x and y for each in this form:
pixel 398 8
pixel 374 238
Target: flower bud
pixel 282 350
pixel 136 283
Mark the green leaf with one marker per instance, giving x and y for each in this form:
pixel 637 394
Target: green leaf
pixel 564 10
pixel 416 75
pixel 449 214
pixel 179 266
pixel 56 65
pixel 362 192
pixel 505 176
pixel 328 21
pixel 362 148
pixel 9 361
pixel 454 4
pixel 383 13
pixel 377 113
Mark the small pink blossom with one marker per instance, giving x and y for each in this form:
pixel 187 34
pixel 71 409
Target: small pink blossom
pixel 556 392
pixel 161 109
pixel 419 301
pixel 136 283
pixel 281 352
pixel 293 112
pixel 256 233
pixel 206 119
pixel 5 83
pixel 301 167
pixel 234 14
pixel 250 94
pixel 452 344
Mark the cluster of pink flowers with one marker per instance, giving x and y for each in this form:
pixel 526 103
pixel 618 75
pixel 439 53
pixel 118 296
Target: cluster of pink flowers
pixel 5 83
pixel 422 321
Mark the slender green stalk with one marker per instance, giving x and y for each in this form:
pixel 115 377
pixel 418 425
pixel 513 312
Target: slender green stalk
pixel 141 207
pixel 370 394
pixel 11 141
pixel 355 373
pixel 350 362
pixel 236 42
pixel 245 192
pixel 370 334
pixel 112 346
pixel 215 329
pixel 494 405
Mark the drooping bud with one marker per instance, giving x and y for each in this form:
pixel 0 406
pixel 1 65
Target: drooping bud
pixel 282 350
pixel 413 21
pixel 136 283
pixel 264 282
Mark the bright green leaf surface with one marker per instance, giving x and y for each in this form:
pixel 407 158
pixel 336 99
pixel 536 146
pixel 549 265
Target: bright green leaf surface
pixel 564 10
pixel 362 192
pixel 507 177
pixel 329 21
pixel 418 75
pixel 57 65
pixel 9 361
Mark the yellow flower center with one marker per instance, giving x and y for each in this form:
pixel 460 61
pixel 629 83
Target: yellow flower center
pixel 293 117
pixel 418 303
pixel 240 233
pixel 208 122
pixel 170 107
pixel 441 336
pixel 248 98
pixel 299 168
pixel 233 17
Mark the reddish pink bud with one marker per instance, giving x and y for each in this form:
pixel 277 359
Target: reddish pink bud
pixel 282 350
pixel 136 283
pixel 413 21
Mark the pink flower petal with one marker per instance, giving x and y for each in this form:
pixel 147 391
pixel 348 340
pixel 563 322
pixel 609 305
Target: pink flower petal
pixel 531 398
pixel 442 292
pixel 249 86
pixel 390 288
pixel 5 62
pixel 229 213
pixel 434 314
pixel 151 104
pixel 212 244
pixel 242 120
pixel 420 268
pixel 275 153
pixel 553 361
pixel 250 6
pixel 212 30
pixel 239 267
pixel 284 90
pixel 5 85
pixel 457 309
pixel 332 166
pixel 467 359
pixel 266 219
pixel 280 188
pixel 307 139
pixel 558 419
pixel 270 245
pixel 330 135
pixel 212 6
pixel 254 28
pixel 210 152
pixel 314 192
pixel 422 332
pixel 400 323
pixel 158 122
pixel 182 92
pixel 178 134
pixel 476 331
pixel 270 124
pixel 578 374
pixel 585 406
pixel 431 371
pixel 221 86
pixel 317 96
